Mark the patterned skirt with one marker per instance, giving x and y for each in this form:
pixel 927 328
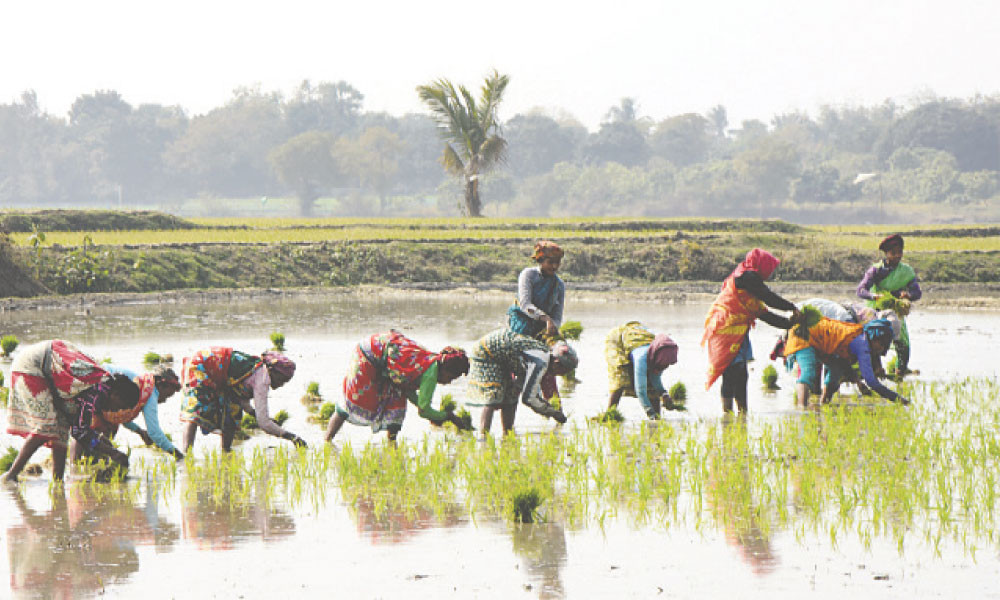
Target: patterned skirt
pixel 494 368
pixel 31 411
pixel 370 400
pixel 619 344
pixel 211 405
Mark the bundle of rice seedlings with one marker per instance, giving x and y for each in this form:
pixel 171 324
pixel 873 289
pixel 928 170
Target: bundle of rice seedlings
pixel 810 317
pixel 571 330
pixel 678 392
pixel 524 503
pixel 770 378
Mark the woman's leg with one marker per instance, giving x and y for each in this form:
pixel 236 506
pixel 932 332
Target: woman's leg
pixel 334 425
pixel 614 398
pixel 58 462
pixel 734 387
pixel 507 414
pixel 190 431
pixel 486 419
pixel 228 433
pixel 31 444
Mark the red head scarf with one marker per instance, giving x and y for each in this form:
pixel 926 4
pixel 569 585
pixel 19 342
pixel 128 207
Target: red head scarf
pixel 891 242
pixel 662 352
pixel 277 362
pixel 758 260
pixel 547 249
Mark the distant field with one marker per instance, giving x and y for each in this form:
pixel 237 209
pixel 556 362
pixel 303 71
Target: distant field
pixel 957 238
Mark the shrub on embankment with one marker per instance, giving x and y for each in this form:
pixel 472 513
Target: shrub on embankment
pixel 106 269
pixel 91 220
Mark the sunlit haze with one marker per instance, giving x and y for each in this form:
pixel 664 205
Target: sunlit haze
pixel 756 58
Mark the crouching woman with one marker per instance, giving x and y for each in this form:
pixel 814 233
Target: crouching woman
pixel 508 366
pixel 57 392
pixel 387 370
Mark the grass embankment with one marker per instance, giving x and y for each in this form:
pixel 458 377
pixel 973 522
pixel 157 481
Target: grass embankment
pixel 230 253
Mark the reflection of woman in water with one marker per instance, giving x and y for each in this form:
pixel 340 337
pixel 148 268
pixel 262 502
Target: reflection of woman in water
pixel 542 547
pixel 79 545
pixel 388 526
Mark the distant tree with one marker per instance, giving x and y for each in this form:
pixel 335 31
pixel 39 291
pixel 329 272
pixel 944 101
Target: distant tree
pixel 719 119
pixel 683 139
pixel 949 126
pixel 816 185
pixel 769 166
pixel 536 143
pixel 421 147
pixel 620 142
pixel 471 130
pixel 329 106
pixel 225 152
pixel 372 159
pixel 627 111
pixel 306 164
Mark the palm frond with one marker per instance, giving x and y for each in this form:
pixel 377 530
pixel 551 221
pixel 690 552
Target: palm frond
pixel 451 161
pixel 492 152
pixel 491 95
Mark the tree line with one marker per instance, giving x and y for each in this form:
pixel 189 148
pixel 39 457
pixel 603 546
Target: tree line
pixel 459 156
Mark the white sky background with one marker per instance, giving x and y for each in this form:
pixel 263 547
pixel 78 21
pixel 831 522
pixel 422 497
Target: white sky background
pixel 757 58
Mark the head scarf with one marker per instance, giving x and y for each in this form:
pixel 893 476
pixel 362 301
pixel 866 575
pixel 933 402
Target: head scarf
pixel 890 242
pixel 758 260
pixel 662 352
pixel 879 330
pixel 547 249
pixel 894 322
pixel 164 375
pixel 565 354
pixel 277 362
pixel 454 359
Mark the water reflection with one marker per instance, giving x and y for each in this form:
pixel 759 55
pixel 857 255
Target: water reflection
pixel 746 518
pixel 542 548
pixel 211 522
pixel 81 543
pixel 387 526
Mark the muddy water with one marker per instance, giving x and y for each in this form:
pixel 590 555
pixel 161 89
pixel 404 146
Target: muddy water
pixel 179 543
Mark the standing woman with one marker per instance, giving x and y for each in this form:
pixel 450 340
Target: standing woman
pixel 219 384
pixel 58 391
pixel 155 388
pixel 744 299
pixel 541 294
pixel 891 276
pixel 386 371
pixel 636 360
pixel 507 366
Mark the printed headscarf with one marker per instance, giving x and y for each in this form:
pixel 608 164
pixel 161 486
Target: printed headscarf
pixel 277 362
pixel 565 354
pixel 662 352
pixel 761 261
pixel 878 330
pixel 890 242
pixel 547 249
pixel 454 359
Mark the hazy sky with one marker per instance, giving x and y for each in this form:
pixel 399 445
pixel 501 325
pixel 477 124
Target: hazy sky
pixel 756 57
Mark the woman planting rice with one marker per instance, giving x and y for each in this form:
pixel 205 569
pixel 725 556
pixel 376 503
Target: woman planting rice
pixel 892 277
pixel 838 345
pixel 219 384
pixel 155 388
pixel 744 299
pixel 57 391
pixel 386 371
pixel 507 366
pixel 636 360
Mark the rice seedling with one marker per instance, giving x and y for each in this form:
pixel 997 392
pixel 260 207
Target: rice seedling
pixel 524 503
pixel 280 417
pixel 8 344
pixel 678 392
pixel 7 459
pixel 277 341
pixel 151 359
pixel 4 396
pixel 770 378
pixel 611 415
pixel 325 412
pixel 571 330
pixel 810 317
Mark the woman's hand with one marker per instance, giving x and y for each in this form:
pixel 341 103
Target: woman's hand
pixel 550 326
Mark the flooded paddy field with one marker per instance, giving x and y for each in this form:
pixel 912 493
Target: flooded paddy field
pixel 861 498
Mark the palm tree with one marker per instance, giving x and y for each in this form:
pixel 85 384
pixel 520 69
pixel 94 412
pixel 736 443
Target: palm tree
pixel 471 130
